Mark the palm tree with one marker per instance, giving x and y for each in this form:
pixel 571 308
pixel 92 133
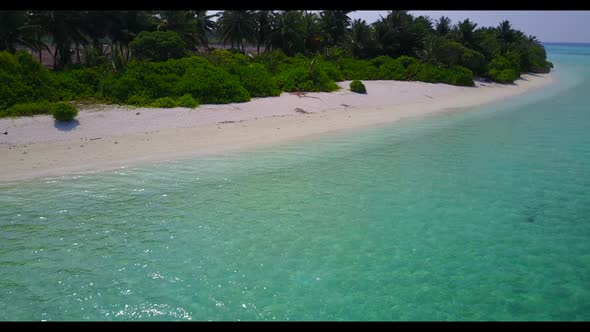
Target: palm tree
pixel 263 19
pixel 192 26
pixel 443 26
pixel 205 26
pixel 335 23
pixel 360 38
pixel 124 26
pixel 97 24
pixel 182 22
pixel 505 33
pixel 15 30
pixel 424 22
pixel 63 28
pixel 311 32
pixel 287 32
pixel 237 26
pixel 430 51
pixel 400 34
pixel 465 31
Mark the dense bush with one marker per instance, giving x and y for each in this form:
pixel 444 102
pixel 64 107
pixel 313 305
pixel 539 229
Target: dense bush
pixel 330 68
pixel 411 69
pixel 257 80
pixel 139 100
pixel 187 101
pixel 503 76
pixel 502 70
pixel 353 69
pixel 358 87
pixel 299 73
pixel 27 109
pixel 272 61
pixel 195 76
pixel 297 79
pixel 254 77
pixel 227 59
pixel 35 76
pixel 534 59
pixel 158 46
pixel 13 91
pixel 77 84
pixel 23 80
pixel 165 102
pixel 64 112
pixel 392 69
pixel 458 75
pixel 451 53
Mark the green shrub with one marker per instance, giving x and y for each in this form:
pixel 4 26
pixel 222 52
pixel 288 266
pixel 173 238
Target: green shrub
pixel 534 59
pixel 380 60
pixel 272 60
pixel 257 80
pixel 392 69
pixel 158 46
pixel 8 63
pixel 502 70
pixel 138 100
pixel 337 52
pixel 305 79
pixel 77 84
pixel 458 75
pixel 451 53
pixel 92 58
pixel 503 76
pixel 254 77
pixel 353 69
pixel 28 109
pixel 175 78
pixel 227 59
pixel 36 76
pixel 211 86
pixel 358 87
pixel 330 68
pixel 13 91
pixel 23 79
pixel 407 61
pixel 64 112
pixel 187 101
pixel 473 61
pixel 165 102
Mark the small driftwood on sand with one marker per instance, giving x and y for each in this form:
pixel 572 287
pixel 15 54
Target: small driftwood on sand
pixel 304 95
pixel 300 110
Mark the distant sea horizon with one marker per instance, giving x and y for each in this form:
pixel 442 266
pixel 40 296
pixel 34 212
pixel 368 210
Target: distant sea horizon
pixel 566 43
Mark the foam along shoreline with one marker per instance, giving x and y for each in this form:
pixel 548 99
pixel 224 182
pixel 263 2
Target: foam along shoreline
pixel 106 136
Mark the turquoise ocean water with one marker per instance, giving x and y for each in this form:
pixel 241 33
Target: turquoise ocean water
pixel 479 215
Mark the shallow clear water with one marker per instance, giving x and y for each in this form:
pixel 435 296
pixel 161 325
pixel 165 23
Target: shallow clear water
pixel 479 215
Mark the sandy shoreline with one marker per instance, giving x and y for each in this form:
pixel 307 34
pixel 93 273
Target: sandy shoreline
pixel 107 137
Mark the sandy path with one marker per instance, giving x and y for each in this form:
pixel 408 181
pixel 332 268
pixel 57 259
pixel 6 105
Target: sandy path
pixel 112 136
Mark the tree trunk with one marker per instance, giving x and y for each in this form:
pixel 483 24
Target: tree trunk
pixel 53 55
pixel 78 61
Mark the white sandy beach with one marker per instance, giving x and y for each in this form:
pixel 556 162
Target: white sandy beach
pixel 107 136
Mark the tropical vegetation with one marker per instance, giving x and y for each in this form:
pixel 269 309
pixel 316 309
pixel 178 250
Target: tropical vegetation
pixel 166 58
